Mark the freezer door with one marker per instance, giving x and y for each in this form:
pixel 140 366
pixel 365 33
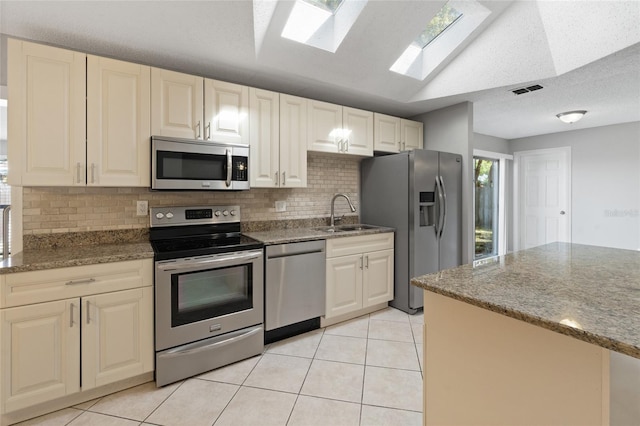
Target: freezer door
pixel 451 237
pixel 423 220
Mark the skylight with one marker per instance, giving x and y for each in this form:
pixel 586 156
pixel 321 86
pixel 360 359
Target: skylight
pixel 442 38
pixel 322 23
pixel 446 17
pixel 328 5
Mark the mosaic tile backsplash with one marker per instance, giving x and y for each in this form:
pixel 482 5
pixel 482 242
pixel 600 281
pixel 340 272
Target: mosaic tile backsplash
pixel 79 209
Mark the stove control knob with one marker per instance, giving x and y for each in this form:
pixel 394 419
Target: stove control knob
pixel 159 215
pixel 232 212
pixel 217 213
pixel 225 213
pixel 169 215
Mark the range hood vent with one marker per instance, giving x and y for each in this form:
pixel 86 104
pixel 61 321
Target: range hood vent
pixel 523 90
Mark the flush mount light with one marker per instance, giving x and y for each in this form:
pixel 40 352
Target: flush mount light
pixel 571 116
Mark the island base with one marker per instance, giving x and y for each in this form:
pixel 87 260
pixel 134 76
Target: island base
pixel 481 368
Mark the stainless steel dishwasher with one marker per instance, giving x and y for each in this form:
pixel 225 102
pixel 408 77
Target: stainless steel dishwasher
pixel 294 287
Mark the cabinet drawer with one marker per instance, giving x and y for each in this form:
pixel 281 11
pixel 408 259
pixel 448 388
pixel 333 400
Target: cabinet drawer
pixel 345 246
pixel 24 288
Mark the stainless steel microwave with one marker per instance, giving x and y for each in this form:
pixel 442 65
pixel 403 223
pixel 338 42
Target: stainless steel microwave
pixel 184 164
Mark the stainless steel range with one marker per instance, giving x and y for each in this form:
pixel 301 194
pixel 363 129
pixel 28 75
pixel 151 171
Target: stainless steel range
pixel 209 281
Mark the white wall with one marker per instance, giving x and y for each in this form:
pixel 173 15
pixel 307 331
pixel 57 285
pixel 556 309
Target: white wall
pixel 605 179
pixel 451 130
pixel 490 143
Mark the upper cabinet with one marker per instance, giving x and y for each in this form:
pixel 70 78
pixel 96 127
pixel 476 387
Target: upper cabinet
pixel 278 140
pixel 57 138
pixel 118 123
pixel 337 129
pixel 191 107
pixel 46 128
pixel 176 104
pixel 395 134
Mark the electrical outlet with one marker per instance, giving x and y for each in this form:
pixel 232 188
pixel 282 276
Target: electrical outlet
pixel 142 208
pixel 281 206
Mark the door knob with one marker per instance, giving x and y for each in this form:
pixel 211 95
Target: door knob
pixel 562 212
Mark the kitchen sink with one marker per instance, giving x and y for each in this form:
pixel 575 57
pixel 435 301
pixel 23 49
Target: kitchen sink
pixel 346 228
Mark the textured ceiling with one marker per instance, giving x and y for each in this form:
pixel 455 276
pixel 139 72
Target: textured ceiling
pixel 585 53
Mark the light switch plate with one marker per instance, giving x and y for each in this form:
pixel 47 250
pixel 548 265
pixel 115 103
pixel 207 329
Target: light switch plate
pixel 281 206
pixel 142 208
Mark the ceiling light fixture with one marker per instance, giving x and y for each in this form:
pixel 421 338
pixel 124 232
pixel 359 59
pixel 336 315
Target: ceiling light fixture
pixel 571 116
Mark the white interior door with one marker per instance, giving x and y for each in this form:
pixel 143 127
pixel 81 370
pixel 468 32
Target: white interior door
pixel 543 197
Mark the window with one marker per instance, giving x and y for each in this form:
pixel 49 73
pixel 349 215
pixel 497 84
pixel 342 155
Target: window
pixel 5 190
pixel 486 199
pixel 329 5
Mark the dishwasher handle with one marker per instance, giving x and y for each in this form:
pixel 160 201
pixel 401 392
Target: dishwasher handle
pixel 296 253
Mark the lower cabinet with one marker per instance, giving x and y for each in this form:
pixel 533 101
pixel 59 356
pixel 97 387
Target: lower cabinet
pixel 359 273
pixel 58 348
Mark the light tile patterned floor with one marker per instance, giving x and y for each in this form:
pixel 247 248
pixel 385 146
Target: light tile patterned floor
pixel 362 372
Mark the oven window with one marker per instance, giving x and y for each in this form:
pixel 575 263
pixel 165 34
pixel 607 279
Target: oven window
pixel 201 295
pixel 191 166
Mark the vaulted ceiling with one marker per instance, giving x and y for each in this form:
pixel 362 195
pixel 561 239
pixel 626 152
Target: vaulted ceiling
pixel 586 54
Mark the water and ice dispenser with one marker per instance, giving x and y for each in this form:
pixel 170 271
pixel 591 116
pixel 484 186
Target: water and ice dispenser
pixel 427 208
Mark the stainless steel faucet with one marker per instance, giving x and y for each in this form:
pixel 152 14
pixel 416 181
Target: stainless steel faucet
pixel 333 202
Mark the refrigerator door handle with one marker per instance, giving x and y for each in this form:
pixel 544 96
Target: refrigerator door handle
pixel 444 209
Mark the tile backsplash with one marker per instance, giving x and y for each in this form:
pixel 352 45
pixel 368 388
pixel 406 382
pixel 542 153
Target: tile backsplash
pixel 78 209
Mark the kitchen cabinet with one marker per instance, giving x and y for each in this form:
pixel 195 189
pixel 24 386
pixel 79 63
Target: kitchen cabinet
pixel 278 140
pixel 395 134
pixel 57 138
pixel 75 334
pixel 192 107
pixel 359 273
pixel 337 129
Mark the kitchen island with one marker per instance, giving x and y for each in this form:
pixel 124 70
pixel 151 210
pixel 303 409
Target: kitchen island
pixel 525 338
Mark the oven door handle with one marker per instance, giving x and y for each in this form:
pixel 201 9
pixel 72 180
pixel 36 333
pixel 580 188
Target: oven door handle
pixel 172 266
pixel 194 348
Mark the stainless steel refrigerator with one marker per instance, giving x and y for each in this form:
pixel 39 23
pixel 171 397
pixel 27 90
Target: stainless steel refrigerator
pixel 419 193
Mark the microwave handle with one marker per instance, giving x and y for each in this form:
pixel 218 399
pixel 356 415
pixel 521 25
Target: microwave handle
pixel 229 168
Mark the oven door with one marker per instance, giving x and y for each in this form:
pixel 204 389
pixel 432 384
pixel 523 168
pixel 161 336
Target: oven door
pixel 192 165
pixel 206 296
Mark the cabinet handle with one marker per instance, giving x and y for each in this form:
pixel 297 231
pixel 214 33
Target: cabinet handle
pixel 366 261
pixel 360 262
pixel 277 179
pixel 88 316
pixel 93 173
pixel 340 142
pixel 85 281
pixel 78 177
pixel 404 146
pixel 71 308
pixel 284 178
pixel 399 145
pixel 346 142
pixel 208 131
pixel 198 128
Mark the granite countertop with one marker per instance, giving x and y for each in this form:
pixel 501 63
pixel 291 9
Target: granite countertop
pixel 292 235
pixel 49 258
pixel 587 292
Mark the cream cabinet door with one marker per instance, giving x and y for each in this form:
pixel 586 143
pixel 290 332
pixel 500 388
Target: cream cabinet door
pixel 358 127
pixel 377 284
pixel 411 135
pixel 386 133
pixel 264 131
pixel 118 123
pixel 117 336
pixel 46 127
pixel 176 104
pixel 40 347
pixel 293 141
pixel 344 285
pixel 226 112
pixel 325 127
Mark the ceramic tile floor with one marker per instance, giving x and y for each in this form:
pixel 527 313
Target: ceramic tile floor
pixel 366 371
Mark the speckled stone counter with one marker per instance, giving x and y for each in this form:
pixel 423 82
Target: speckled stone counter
pixel 283 236
pixel 587 292
pixel 48 258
